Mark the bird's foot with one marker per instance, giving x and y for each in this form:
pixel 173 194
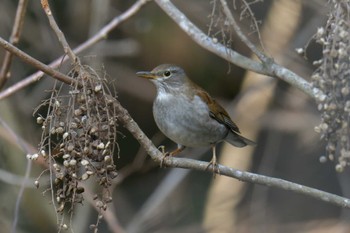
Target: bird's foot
pixel 164 155
pixel 214 166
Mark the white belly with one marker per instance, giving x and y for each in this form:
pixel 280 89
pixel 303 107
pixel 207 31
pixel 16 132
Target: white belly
pixel 187 121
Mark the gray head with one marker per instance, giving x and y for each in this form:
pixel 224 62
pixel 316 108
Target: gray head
pixel 166 77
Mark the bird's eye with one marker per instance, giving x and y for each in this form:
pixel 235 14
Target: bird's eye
pixel 167 73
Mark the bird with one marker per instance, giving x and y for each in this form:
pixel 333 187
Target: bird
pixel 188 115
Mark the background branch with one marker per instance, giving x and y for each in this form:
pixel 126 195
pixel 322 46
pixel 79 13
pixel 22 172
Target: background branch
pixel 240 33
pixel 14 39
pixel 269 68
pixel 35 63
pixel 100 35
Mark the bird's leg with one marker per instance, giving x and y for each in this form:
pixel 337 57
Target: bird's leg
pixel 173 153
pixel 177 150
pixel 213 161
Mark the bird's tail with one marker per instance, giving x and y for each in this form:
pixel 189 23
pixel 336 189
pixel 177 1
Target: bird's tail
pixel 238 140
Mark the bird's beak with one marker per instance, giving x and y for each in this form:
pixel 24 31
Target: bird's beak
pixel 146 74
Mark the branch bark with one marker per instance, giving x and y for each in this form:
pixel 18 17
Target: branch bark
pixel 61 37
pixel 14 38
pixel 100 35
pixel 268 67
pixel 34 62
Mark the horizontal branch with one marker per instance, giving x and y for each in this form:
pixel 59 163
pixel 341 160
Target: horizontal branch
pixel 157 156
pixel 268 67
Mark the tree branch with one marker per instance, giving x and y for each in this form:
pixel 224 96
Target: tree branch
pixel 240 34
pixel 269 67
pixel 157 156
pixel 100 35
pixel 14 38
pixel 61 37
pixel 34 62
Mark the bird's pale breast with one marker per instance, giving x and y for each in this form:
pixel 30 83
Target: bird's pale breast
pixel 186 121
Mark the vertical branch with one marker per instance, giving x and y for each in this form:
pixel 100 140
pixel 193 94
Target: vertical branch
pixel 239 32
pixel 57 30
pixel 14 39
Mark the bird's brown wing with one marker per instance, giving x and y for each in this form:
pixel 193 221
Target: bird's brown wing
pixel 217 112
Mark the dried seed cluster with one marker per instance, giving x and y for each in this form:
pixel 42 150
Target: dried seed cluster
pixel 333 78
pixel 79 138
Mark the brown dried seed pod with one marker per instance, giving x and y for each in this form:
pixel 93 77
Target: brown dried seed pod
pixel 83 108
pixel 107 159
pixel 101 146
pixel 98 88
pixel 110 167
pixel 59 130
pixel 65 163
pixel 39 120
pixel 70 147
pixel 57 181
pixel 102 171
pixel 53 130
pixel 73 125
pixel 113 174
pixel 61 208
pixel 85 176
pixel 109 199
pixel 81 98
pixel 90 173
pixel 80 189
pixel 93 129
pixel 103 180
pixel 72 162
pixel 95 143
pixel 78 112
pixel 84 162
pixel 104 127
pixel 99 204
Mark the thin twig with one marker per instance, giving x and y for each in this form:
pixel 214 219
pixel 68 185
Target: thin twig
pixel 240 34
pixel 45 5
pixel 100 35
pixel 34 62
pixel 254 22
pixel 14 39
pixel 270 68
pixel 26 149
pixel 108 215
pixel 137 163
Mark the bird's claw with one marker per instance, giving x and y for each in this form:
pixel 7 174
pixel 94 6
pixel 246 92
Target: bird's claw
pixel 164 155
pixel 214 166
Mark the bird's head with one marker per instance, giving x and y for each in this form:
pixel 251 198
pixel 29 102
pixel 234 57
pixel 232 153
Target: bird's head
pixel 165 76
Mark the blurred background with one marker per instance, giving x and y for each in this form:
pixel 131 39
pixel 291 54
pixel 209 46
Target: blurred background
pixel 147 198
